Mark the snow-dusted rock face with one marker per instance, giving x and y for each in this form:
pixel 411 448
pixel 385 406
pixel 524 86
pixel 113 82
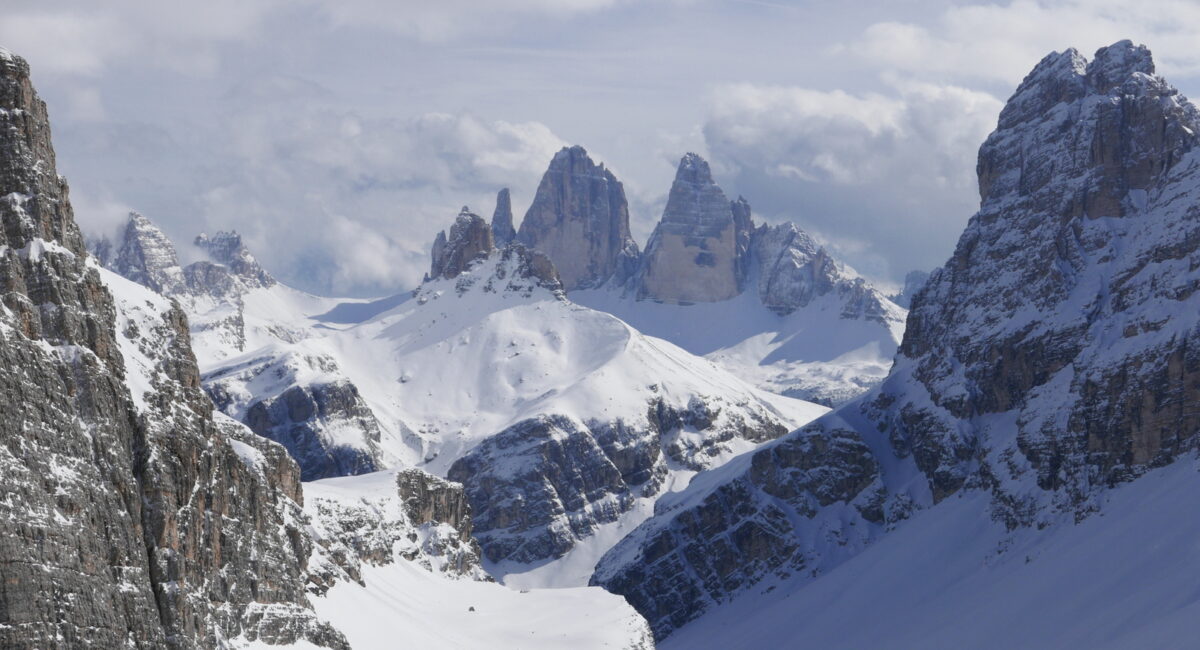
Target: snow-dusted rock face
pixel 133 516
pixel 470 239
pixel 580 219
pixel 697 252
pixel 1050 358
pixel 387 517
pixel 303 402
pixel 502 219
pixel 226 251
pixel 147 257
pixel 545 483
pixel 793 271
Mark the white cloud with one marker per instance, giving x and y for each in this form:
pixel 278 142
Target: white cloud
pixel 327 199
pixel 1002 41
pixel 888 174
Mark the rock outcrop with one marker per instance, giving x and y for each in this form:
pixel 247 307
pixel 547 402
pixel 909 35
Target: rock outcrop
pixel 502 219
pixel 226 250
pixel 406 515
pixel 545 483
pixel 324 424
pixel 148 257
pixel 470 240
pixel 793 271
pixel 133 516
pixel 699 250
pixel 1053 355
pixel 580 219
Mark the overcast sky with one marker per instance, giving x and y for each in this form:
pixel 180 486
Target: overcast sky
pixel 340 136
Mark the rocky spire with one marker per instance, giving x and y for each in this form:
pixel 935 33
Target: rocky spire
pixel 148 257
pixel 698 251
pixel 580 219
pixel 502 220
pixel 227 249
pixel 470 239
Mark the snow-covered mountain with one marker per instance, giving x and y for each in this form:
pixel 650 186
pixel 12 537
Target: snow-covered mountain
pixel 137 516
pixel 1050 361
pixel 487 374
pixel 765 302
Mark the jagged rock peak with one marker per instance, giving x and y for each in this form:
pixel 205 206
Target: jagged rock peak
pixel 1139 126
pixel 502 219
pixel 1114 64
pixel 694 169
pixel 470 239
pixel 226 248
pixel 698 252
pixel 148 257
pixel 580 219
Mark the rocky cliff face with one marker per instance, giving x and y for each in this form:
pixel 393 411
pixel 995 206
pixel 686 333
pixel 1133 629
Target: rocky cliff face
pixel 323 423
pixel 545 483
pixel 134 518
pixel 405 515
pixel 793 271
pixel 502 219
pixel 698 251
pixel 580 219
pixel 470 240
pixel 1051 357
pixel 231 262
pixel 147 257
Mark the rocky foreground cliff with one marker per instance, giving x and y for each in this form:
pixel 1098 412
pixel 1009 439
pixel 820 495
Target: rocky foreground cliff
pixel 1050 359
pixel 131 517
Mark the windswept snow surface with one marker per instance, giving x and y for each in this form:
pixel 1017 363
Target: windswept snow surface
pixel 812 352
pixel 953 578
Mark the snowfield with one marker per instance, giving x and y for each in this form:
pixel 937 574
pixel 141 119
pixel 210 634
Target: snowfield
pixel 953 578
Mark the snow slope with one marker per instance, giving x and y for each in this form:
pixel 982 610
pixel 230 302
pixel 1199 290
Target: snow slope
pixel 951 577
pixel 418 600
pixel 445 370
pixel 812 352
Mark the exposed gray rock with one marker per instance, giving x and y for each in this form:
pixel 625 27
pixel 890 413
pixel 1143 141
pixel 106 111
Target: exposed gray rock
pixel 542 484
pixel 1053 356
pixel 470 240
pixel 227 250
pixel 698 251
pixel 417 517
pixel 502 219
pixel 580 219
pixel 147 257
pixel 793 271
pixel 131 517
